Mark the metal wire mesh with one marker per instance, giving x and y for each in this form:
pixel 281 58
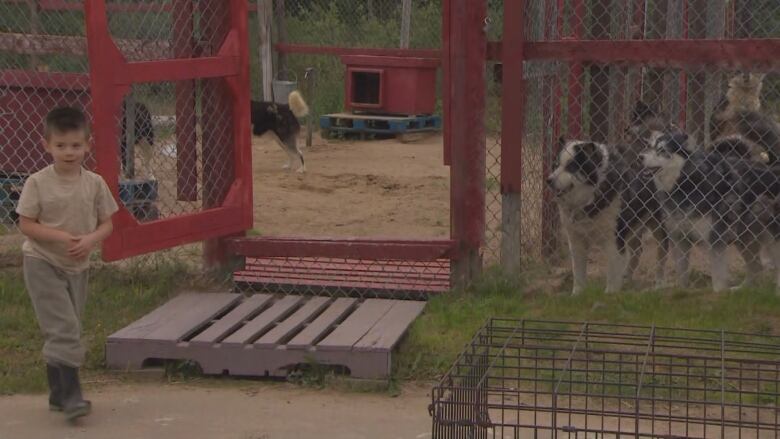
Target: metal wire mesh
pixel 43 47
pixel 521 378
pixel 339 277
pixel 652 19
pixel 166 133
pixel 344 23
pixel 573 205
pixel 170 138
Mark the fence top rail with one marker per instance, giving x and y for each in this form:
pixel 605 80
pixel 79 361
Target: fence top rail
pixel 725 53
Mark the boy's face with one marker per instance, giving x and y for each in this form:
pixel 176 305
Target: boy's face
pixel 68 148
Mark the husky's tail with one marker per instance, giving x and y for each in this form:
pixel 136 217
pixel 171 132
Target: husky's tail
pixel 297 104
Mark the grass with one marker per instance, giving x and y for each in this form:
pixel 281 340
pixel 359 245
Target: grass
pixel 118 297
pixel 450 321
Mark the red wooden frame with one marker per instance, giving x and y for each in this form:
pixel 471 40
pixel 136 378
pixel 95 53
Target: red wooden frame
pixel 373 249
pixel 111 77
pixel 341 51
pixel 727 54
pixel 61 81
pixel 513 94
pixel 462 55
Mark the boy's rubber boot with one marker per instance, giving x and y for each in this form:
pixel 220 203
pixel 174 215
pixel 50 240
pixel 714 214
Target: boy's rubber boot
pixel 73 404
pixel 55 387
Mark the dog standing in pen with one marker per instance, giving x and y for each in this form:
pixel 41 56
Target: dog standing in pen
pixel 282 121
pixel 587 182
pixel 143 132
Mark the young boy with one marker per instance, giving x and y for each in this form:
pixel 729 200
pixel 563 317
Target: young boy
pixel 64 211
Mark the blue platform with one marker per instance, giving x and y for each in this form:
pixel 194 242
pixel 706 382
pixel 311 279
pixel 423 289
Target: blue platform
pixel 377 124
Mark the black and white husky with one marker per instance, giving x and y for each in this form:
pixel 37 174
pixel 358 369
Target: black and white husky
pixel 282 122
pixel 718 197
pixel 587 182
pixel 640 210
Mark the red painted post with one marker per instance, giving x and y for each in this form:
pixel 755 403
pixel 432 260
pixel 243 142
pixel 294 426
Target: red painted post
pixel 218 169
pixel 512 130
pixel 106 100
pixel 683 74
pixel 446 25
pixel 551 110
pixel 639 34
pixel 186 146
pixel 467 55
pixel 576 73
pixel 696 122
pixel 598 105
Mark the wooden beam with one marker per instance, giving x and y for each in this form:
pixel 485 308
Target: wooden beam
pixel 26 44
pixel 338 51
pixel 374 249
pixel 264 13
pixel 466 88
pixel 513 126
pixel 406 23
pixel 35 29
pixel 757 53
pixel 280 22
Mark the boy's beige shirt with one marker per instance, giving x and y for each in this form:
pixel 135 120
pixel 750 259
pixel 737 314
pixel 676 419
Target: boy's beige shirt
pixel 71 204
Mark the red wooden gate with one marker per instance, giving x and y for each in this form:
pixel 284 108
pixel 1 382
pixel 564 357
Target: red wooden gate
pixel 222 68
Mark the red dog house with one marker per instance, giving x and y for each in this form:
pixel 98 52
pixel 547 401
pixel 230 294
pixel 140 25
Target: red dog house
pixel 25 98
pixel 390 85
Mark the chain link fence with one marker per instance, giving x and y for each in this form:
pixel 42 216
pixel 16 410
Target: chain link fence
pixel 580 198
pixel 43 63
pixel 320 75
pixel 373 24
pixel 164 128
pixel 166 131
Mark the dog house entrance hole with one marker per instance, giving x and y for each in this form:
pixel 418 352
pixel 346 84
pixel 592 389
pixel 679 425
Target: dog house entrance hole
pixel 367 88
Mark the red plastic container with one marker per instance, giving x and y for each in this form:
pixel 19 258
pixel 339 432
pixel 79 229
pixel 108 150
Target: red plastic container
pixel 390 85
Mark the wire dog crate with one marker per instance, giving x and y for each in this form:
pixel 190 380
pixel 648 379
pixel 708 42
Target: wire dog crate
pixel 535 379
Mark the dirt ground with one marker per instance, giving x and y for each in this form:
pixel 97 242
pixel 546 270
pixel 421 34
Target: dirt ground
pixel 377 188
pixel 242 411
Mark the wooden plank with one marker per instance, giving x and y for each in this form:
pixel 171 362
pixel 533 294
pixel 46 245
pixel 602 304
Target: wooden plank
pixel 381 269
pixel 177 308
pixel 730 54
pixel 406 23
pixel 183 322
pixel 264 321
pixel 28 44
pixel 356 325
pixel 389 329
pixel 354 274
pixel 149 322
pixel 294 322
pixel 322 280
pixel 376 117
pixel 350 249
pixel 264 18
pixel 376 286
pixel 341 51
pixel 232 320
pixel 61 81
pixel 323 323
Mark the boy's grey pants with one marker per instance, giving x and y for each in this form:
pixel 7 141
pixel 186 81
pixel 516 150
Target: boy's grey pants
pixel 58 298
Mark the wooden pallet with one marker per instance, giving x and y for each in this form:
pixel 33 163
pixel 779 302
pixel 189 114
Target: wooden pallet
pixel 266 335
pixel 393 279
pixel 377 124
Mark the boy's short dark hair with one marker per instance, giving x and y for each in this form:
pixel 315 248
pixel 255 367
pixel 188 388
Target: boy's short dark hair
pixel 65 119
